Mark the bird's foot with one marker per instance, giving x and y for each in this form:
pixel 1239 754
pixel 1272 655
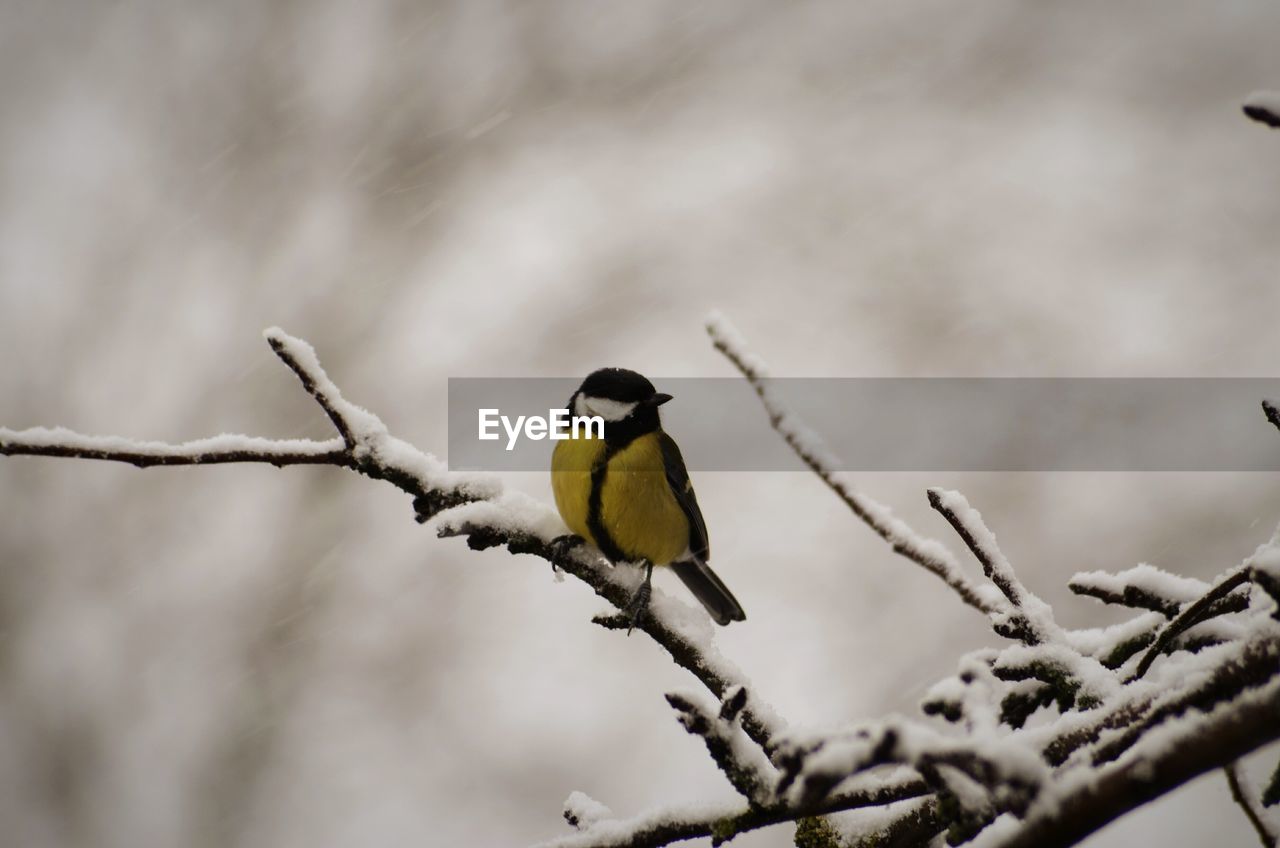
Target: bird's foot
pixel 639 605
pixel 561 547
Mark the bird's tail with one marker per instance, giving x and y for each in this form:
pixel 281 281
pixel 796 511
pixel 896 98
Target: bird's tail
pixel 709 589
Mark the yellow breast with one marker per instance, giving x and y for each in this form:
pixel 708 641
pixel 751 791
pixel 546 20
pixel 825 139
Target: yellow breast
pixel 571 465
pixel 637 508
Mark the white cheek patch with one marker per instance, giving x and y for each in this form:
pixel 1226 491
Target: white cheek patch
pixel 609 410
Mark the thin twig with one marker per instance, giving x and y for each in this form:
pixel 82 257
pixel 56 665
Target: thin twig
pixel 26 443
pixel 815 768
pixel 1189 617
pixel 314 381
pixel 1268 839
pixel 927 553
pixel 1133 597
pixel 969 528
pixel 1031 620
pixel 1107 588
pixel 1253 668
pixel 744 765
pixel 650 832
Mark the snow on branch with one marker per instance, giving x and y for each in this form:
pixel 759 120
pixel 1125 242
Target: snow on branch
pixel 478 507
pixel 683 632
pixel 363 444
pixel 1030 619
pixel 1049 655
pixel 1182 734
pixel 723 822
pixel 1143 587
pixel 997 779
pixel 980 773
pixel 1046 783
pixel 582 811
pixel 228 447
pixel 743 763
pixel 1193 614
pixel 808 446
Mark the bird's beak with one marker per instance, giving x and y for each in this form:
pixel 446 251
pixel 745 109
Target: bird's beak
pixel 658 399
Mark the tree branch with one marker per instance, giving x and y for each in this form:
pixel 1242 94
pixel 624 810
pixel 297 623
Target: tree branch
pixel 1241 797
pixel 1031 619
pixel 1000 767
pixel 302 360
pixel 743 764
pixel 58 441
pixel 1156 763
pixel 927 553
pixel 663 827
pixel 1146 587
pixel 521 524
pixel 1190 616
pixel 488 524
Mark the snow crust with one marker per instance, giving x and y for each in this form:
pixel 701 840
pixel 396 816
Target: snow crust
pixel 585 810
pixel 1147 578
pixel 48 437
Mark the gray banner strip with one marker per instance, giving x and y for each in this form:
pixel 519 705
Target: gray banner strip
pixel 916 424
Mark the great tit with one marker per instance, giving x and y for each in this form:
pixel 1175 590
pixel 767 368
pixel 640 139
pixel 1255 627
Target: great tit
pixel 629 494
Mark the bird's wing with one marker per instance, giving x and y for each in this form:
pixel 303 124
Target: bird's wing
pixel 682 488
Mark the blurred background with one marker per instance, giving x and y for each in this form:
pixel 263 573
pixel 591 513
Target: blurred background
pixel 247 656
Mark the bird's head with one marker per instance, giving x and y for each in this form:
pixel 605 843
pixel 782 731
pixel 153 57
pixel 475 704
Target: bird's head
pixel 619 396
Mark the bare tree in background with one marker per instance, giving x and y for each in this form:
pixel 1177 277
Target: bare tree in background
pixel 1122 714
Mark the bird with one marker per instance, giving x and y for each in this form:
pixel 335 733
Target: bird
pixel 629 493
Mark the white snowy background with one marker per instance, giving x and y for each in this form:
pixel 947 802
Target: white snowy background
pixel 246 656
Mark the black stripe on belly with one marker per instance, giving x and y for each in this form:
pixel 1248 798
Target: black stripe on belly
pixel 594 521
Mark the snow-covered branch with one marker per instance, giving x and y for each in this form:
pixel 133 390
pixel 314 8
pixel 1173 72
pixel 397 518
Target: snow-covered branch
pixel 1192 615
pixel 59 441
pixel 477 507
pixel 722 823
pixel 743 763
pixel 1147 587
pixel 808 446
pixel 997 777
pixel 1185 735
pixel 525 526
pixel 1030 619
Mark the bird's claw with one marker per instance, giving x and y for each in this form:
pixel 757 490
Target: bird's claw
pixel 639 605
pixel 562 546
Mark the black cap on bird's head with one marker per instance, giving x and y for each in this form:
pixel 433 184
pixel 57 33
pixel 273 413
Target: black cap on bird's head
pixel 617 384
pixel 618 395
